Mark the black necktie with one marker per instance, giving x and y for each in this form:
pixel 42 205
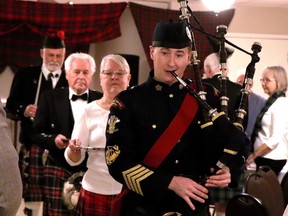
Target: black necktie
pixel 49 80
pixel 76 97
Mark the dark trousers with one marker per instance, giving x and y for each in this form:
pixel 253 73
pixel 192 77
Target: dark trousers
pixel 275 165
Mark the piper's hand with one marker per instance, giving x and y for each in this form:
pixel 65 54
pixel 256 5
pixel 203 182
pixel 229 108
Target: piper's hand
pixel 222 178
pixel 188 189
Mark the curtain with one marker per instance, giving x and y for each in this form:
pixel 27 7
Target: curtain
pixel 147 17
pixel 23 26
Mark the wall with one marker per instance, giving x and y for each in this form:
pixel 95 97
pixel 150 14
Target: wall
pixel 274 52
pixel 264 25
pixel 249 20
pixel 128 43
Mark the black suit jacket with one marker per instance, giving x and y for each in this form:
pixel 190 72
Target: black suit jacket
pixel 233 93
pixel 23 92
pixel 54 116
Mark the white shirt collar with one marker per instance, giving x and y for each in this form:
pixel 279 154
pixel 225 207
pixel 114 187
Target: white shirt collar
pixel 45 71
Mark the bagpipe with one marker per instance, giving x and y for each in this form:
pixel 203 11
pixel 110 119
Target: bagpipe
pixel 223 138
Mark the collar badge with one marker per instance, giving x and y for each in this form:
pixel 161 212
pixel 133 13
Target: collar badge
pixel 158 87
pixel 112 153
pixel 112 121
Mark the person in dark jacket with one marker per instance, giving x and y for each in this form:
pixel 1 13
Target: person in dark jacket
pixel 162 180
pixel 255 103
pixel 27 86
pixel 52 128
pixel 213 76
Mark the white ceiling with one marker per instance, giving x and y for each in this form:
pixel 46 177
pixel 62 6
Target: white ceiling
pixel 262 3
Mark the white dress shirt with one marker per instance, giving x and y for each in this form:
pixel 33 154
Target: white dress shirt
pixel 274 129
pixel 77 106
pixel 56 75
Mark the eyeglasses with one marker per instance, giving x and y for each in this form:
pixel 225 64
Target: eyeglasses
pixel 111 73
pixel 266 80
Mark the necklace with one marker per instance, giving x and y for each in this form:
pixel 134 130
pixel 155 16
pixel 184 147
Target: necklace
pixel 107 101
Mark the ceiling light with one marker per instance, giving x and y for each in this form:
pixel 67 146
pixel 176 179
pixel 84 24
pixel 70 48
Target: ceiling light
pixel 218 5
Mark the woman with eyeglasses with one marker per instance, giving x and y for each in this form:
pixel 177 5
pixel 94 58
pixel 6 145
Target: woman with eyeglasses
pixel 99 189
pixel 271 128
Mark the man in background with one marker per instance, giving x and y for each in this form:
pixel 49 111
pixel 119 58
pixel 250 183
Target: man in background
pixel 213 76
pixel 27 86
pixel 255 103
pixel 53 125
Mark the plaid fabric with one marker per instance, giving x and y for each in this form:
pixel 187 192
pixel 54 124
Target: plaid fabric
pixel 91 204
pixel 33 184
pixel 82 23
pixel 55 178
pixel 223 195
pixel 147 17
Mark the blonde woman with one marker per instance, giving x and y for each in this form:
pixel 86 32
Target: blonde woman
pixel 269 134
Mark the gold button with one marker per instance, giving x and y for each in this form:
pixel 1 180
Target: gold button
pixel 154 126
pixel 171 95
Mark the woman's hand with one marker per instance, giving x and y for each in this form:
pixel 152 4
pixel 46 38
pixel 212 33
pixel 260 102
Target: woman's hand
pixel 74 150
pixel 251 159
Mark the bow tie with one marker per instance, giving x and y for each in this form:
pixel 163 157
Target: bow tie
pixel 76 97
pixel 51 75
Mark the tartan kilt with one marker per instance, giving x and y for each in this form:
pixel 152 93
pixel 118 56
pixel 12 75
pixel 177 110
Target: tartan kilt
pixel 223 195
pixel 31 168
pixel 55 177
pixel 91 204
